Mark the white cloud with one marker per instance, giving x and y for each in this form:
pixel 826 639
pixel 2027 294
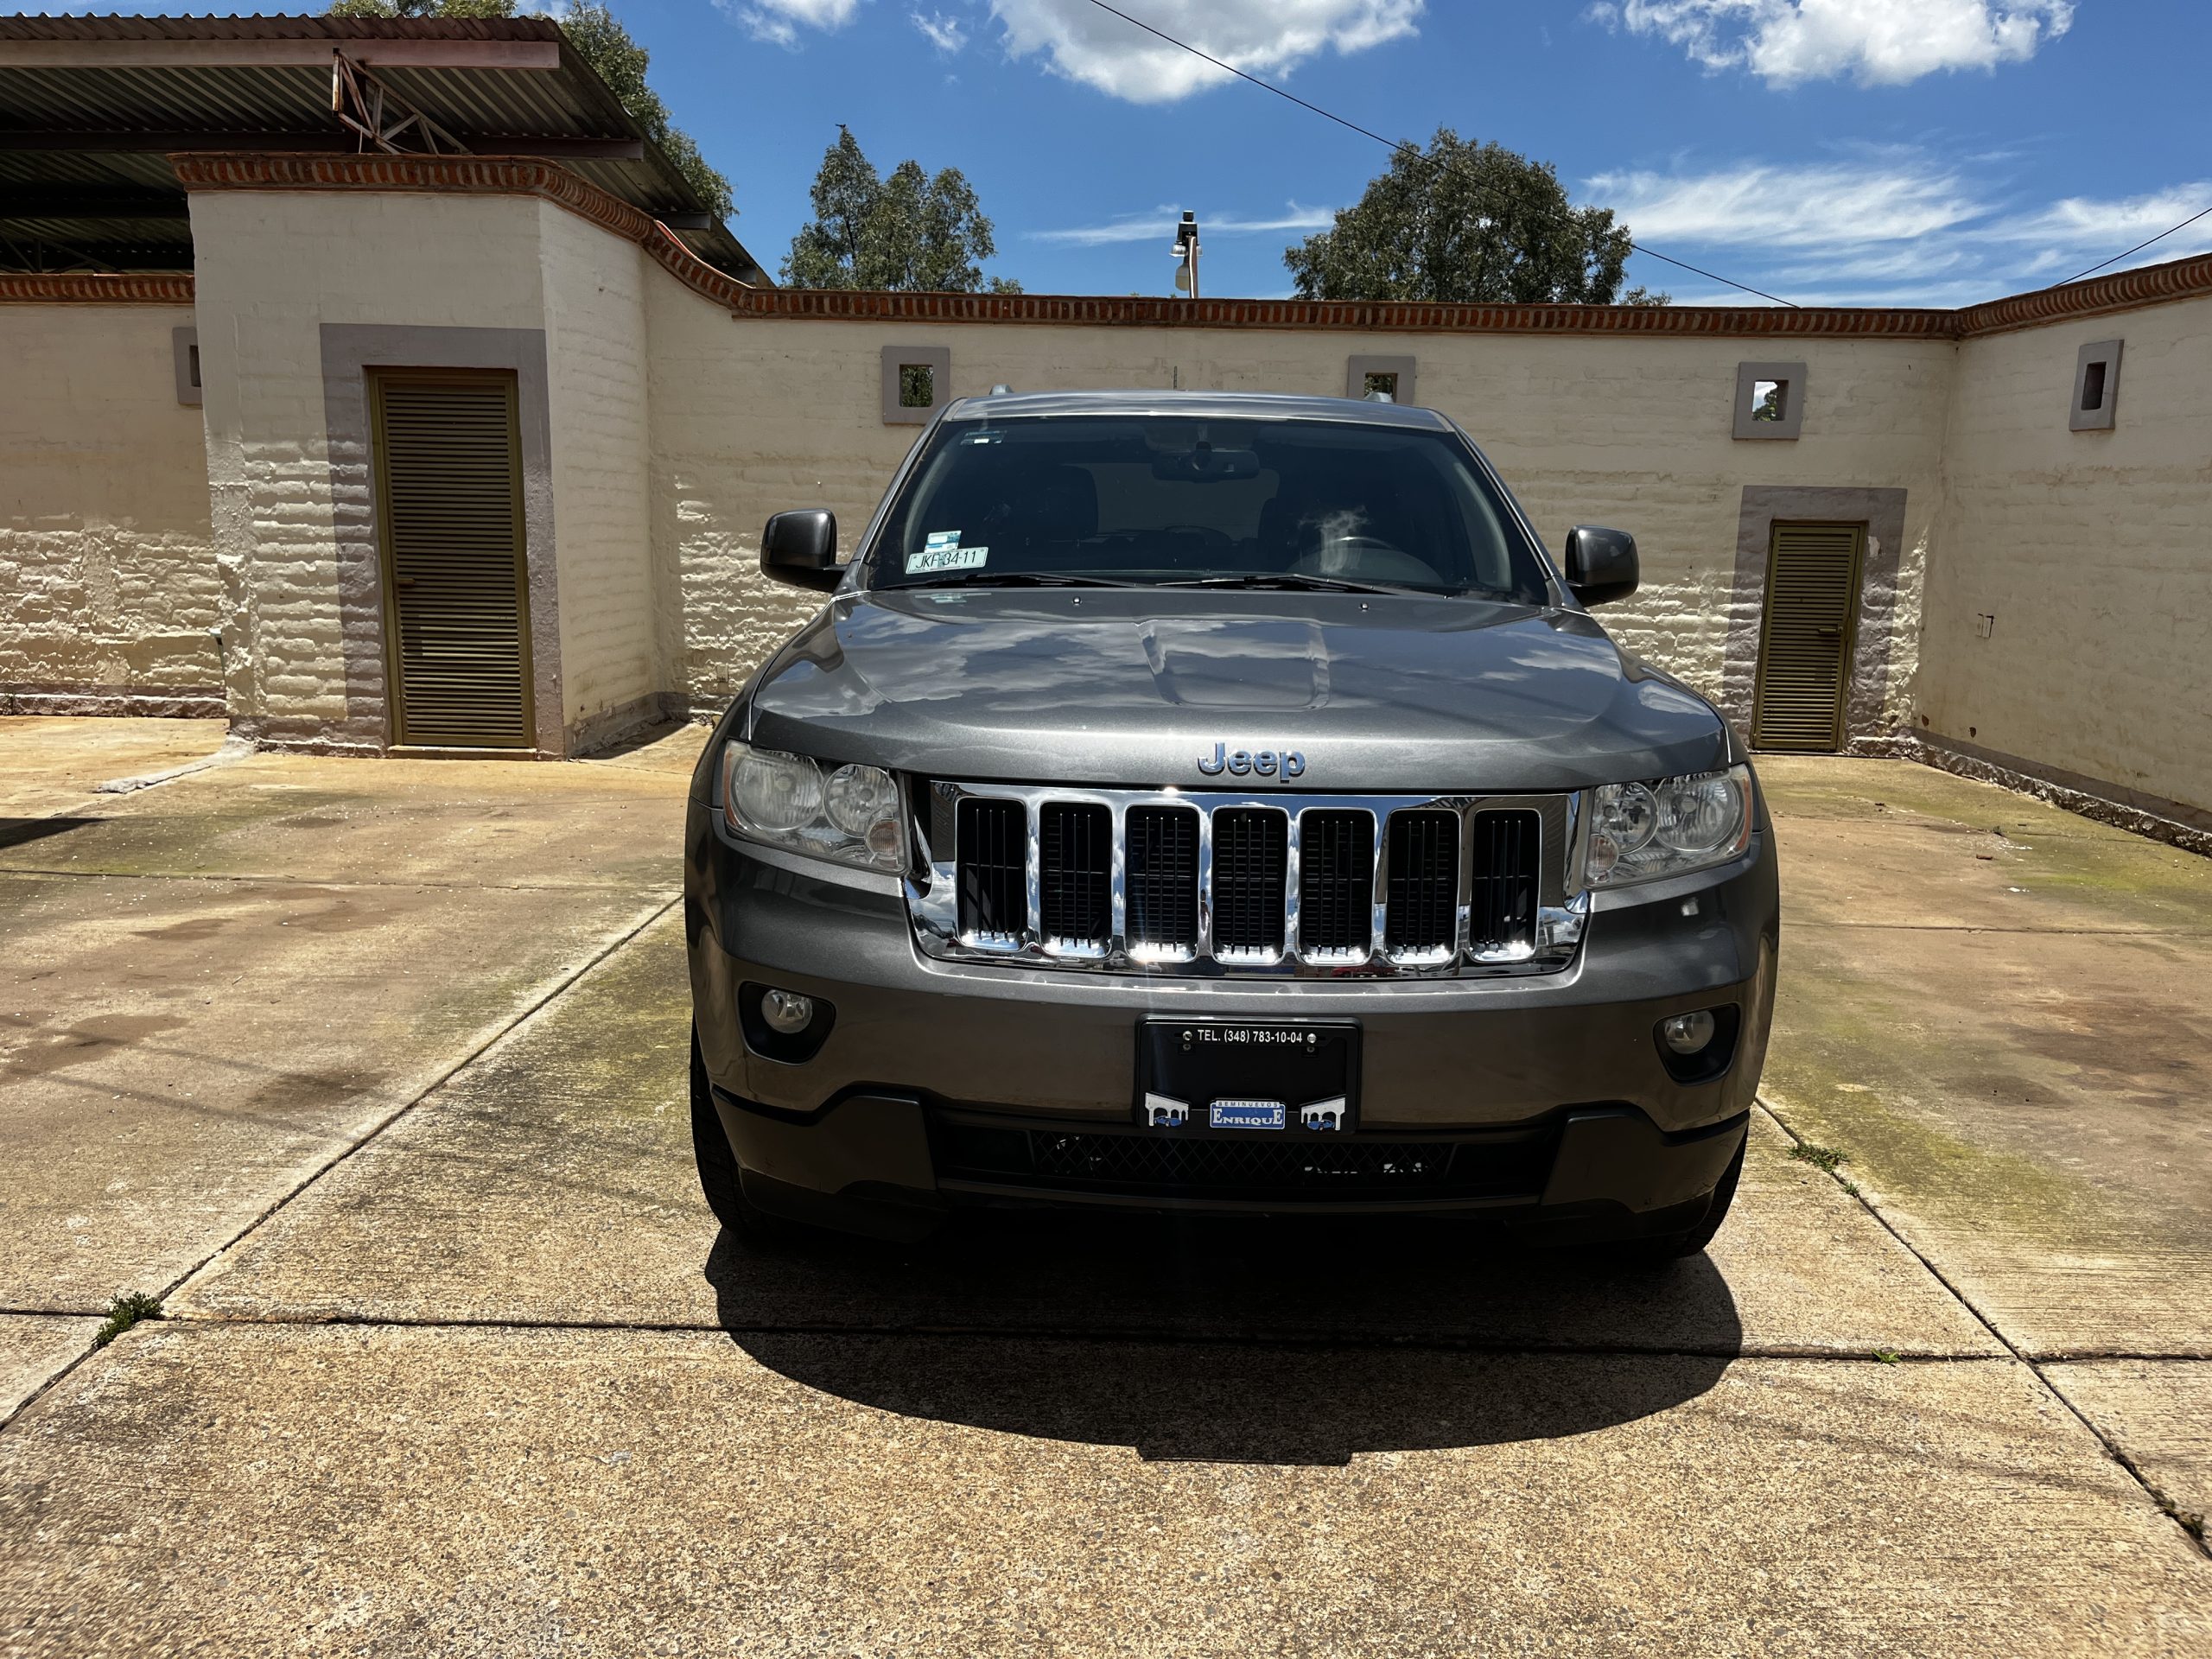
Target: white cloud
pixel 1263 37
pixel 946 34
pixel 1881 42
pixel 1893 227
pixel 1159 225
pixel 2081 223
pixel 1835 204
pixel 779 20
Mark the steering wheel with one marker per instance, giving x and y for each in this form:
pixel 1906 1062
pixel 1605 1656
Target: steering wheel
pixel 1366 558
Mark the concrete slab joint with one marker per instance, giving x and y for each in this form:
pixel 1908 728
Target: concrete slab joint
pixel 349 351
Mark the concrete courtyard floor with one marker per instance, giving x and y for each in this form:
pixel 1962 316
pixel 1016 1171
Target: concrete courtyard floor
pixel 372 1073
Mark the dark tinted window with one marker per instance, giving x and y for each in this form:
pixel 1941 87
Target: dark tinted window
pixel 1165 499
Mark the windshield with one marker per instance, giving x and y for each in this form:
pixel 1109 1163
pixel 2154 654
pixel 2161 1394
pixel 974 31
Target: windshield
pixel 1146 500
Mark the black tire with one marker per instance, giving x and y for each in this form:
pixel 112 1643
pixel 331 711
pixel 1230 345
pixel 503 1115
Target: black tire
pixel 718 1178
pixel 1672 1247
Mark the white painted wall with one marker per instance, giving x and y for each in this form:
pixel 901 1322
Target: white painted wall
pixel 107 574
pixel 596 360
pixel 272 267
pixel 2091 551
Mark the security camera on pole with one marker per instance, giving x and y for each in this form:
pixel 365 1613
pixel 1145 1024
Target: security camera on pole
pixel 1186 253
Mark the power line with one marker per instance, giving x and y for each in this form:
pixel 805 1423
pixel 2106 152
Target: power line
pixel 1402 147
pixel 2138 247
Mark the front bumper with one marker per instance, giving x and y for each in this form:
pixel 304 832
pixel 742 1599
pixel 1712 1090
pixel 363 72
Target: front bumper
pixel 1541 1097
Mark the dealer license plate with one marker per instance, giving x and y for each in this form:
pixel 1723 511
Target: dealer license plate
pixel 1262 1075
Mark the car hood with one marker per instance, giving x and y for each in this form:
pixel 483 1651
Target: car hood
pixel 1384 693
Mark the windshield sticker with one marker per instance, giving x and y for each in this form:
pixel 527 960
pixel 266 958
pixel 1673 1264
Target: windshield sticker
pixel 942 551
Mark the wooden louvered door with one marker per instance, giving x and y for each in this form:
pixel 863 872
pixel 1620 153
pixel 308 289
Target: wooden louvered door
pixel 1805 639
pixel 448 483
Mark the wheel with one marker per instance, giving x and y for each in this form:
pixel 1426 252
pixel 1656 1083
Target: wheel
pixel 1672 1246
pixel 718 1181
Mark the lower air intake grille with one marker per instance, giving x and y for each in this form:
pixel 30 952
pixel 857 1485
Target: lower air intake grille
pixel 1336 881
pixel 1075 863
pixel 1173 1166
pixel 1502 910
pixel 1423 892
pixel 1161 876
pixel 1250 853
pixel 994 854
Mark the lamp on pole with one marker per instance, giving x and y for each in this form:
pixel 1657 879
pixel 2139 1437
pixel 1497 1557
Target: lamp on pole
pixel 1186 252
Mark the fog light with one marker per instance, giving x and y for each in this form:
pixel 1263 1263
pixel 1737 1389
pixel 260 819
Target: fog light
pixel 791 1014
pixel 1685 1033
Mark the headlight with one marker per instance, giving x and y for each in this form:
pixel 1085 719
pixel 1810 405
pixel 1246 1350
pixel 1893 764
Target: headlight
pixel 851 815
pixel 1639 832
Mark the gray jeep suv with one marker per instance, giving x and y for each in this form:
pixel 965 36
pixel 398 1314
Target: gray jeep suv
pixel 1220 802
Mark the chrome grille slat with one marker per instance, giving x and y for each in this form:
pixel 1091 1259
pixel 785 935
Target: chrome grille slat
pixel 1420 907
pixel 1227 884
pixel 1501 906
pixel 1251 862
pixel 1075 868
pixel 1336 883
pixel 1161 888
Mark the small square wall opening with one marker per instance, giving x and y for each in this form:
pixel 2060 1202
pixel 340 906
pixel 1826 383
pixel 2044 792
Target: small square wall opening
pixel 184 343
pixel 1770 400
pixel 917 382
pixel 1391 376
pixel 2096 387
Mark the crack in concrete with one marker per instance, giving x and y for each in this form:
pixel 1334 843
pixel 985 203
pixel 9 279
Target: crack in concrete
pixel 561 984
pixel 2150 1488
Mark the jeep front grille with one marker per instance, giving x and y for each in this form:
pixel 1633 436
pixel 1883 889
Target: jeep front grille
pixel 1220 883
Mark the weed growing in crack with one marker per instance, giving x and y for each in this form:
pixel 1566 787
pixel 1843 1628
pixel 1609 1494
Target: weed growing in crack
pixel 124 1311
pixel 1850 1187
pixel 1825 1158
pixel 2189 1520
pixel 1886 1356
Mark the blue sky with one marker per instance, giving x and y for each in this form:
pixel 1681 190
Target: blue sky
pixel 1907 151
pixel 1843 151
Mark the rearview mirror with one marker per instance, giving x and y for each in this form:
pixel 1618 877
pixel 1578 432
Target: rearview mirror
pixel 801 548
pixel 1600 563
pixel 1206 465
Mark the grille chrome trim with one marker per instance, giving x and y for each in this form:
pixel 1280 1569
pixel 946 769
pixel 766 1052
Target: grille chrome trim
pixel 1560 913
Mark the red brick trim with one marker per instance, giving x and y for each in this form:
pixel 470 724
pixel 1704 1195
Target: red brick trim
pixel 1341 316
pixel 459 175
pixel 2125 290
pixel 95 287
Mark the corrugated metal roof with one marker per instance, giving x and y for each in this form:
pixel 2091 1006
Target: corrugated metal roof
pixel 81 124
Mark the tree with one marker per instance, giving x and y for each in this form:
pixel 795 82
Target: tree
pixel 907 232
pixel 1467 223
pixel 602 43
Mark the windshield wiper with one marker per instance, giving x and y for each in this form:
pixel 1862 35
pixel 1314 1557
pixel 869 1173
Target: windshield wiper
pixel 1288 583
pixel 1010 579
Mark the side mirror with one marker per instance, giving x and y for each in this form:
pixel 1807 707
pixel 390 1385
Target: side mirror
pixel 801 548
pixel 1600 563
